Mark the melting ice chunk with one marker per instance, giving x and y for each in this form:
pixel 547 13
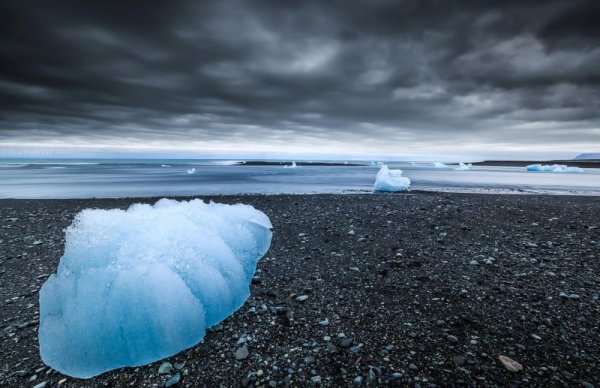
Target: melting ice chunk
pixel 553 168
pixel 463 167
pixel 439 165
pixel 390 180
pixel 141 284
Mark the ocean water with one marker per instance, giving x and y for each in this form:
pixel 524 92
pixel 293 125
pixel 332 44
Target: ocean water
pixel 110 178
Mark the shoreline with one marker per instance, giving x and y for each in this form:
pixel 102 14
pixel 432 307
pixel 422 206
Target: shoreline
pixel 393 277
pixel 420 191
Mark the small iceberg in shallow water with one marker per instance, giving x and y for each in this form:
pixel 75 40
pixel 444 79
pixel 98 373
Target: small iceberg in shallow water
pixel 191 171
pixel 553 168
pixel 293 165
pixel 463 167
pixel 390 180
pixel 439 165
pixel 137 285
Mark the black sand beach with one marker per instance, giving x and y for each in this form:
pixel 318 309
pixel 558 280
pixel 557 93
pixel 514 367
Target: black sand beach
pixel 416 289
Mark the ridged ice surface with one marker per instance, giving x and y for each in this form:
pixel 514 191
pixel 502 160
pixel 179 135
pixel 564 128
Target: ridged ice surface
pixel 141 284
pixel 390 180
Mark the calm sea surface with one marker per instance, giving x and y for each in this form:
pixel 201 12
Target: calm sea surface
pixel 103 178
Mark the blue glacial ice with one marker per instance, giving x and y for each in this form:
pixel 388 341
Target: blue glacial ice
pixel 463 167
pixel 439 165
pixel 390 180
pixel 553 168
pixel 137 285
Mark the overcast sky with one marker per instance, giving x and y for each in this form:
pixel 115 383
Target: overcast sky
pixel 492 78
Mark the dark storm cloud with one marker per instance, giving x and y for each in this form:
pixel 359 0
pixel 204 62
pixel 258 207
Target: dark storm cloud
pixel 407 71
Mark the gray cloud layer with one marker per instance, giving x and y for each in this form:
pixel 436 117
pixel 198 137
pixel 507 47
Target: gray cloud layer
pixel 503 74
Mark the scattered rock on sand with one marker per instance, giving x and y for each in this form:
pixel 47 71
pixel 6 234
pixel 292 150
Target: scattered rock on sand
pixel 242 353
pixel 173 380
pixel 179 365
pixel 510 364
pixel 458 360
pixel 165 367
pixel 345 343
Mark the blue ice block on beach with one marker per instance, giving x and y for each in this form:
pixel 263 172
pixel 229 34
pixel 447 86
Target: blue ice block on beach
pixel 390 180
pixel 137 285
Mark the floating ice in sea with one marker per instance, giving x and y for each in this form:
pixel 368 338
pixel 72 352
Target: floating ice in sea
pixel 191 171
pixel 293 165
pixel 439 165
pixel 141 284
pixel 553 168
pixel 390 180
pixel 463 167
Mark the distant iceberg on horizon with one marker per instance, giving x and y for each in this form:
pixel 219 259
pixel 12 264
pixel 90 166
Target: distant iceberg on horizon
pixel 553 168
pixel 439 165
pixel 463 167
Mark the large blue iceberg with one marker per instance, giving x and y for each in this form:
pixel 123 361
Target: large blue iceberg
pixel 390 180
pixel 141 284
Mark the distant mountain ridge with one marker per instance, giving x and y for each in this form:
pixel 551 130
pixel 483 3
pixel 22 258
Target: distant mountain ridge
pixel 588 156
